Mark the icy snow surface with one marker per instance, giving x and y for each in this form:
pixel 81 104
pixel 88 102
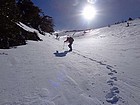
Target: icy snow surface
pixel 102 69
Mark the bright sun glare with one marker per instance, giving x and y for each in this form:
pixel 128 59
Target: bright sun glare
pixel 89 12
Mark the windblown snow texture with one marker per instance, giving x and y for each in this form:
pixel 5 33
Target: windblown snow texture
pixel 102 69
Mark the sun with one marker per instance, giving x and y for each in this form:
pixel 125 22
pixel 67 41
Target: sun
pixel 89 12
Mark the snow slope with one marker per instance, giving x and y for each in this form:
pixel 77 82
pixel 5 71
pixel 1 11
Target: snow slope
pixel 103 69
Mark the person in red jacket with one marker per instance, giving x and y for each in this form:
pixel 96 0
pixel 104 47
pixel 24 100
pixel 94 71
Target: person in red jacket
pixel 70 41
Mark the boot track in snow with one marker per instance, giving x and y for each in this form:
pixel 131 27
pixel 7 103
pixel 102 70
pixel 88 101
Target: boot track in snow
pixel 113 95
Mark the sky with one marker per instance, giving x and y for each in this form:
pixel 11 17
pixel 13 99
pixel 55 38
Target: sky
pixel 67 13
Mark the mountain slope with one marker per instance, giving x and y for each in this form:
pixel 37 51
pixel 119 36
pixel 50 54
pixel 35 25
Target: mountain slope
pixel 103 69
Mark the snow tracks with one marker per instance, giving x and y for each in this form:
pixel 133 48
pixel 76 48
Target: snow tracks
pixel 112 96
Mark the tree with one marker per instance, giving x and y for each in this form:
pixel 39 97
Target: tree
pixel 32 16
pixel 14 11
pixel 29 13
pixel 9 31
pixel 47 24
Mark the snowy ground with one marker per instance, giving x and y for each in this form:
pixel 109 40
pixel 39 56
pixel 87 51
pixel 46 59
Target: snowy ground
pixel 103 69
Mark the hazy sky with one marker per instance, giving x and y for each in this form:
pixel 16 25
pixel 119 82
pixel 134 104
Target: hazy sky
pixel 66 13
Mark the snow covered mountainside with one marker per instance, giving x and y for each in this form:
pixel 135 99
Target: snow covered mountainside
pixel 102 69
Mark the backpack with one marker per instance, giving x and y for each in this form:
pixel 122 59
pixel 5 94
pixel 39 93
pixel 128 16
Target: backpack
pixel 71 40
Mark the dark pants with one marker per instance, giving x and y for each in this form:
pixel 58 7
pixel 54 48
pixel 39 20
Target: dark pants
pixel 70 46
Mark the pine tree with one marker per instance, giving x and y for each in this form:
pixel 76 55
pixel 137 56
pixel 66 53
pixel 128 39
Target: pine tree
pixel 29 13
pixel 13 11
pixel 31 16
pixel 9 31
pixel 47 24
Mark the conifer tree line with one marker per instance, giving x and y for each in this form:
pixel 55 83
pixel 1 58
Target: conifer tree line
pixel 14 11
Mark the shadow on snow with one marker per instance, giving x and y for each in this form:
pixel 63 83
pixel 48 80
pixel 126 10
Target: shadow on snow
pixel 60 54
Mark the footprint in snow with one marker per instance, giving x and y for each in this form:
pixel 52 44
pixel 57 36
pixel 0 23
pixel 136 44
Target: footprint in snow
pixel 109 67
pixel 112 96
pixel 114 71
pixel 110 73
pixel 114 78
pixel 110 82
pixel 114 90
